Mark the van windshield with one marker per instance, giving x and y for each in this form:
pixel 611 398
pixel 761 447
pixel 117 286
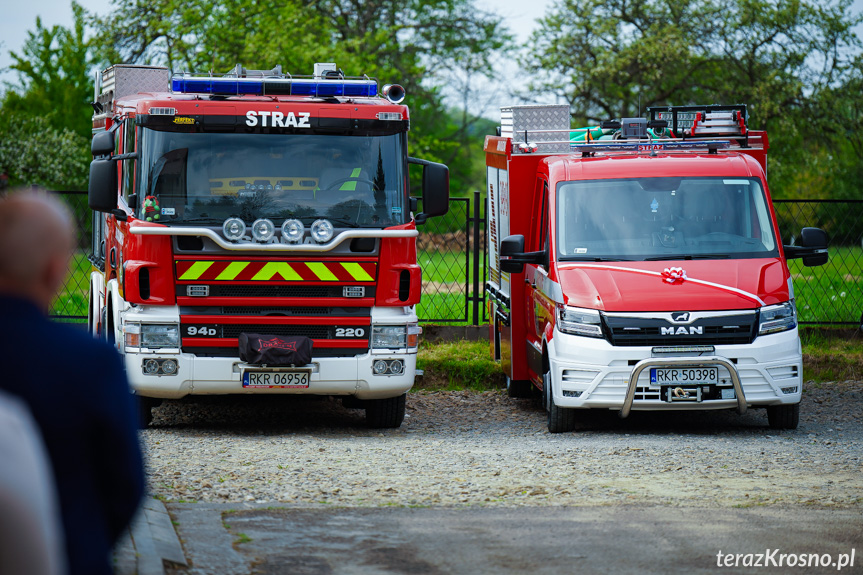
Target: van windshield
pixel 204 178
pixel 663 218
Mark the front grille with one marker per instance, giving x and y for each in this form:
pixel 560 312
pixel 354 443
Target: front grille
pixel 713 330
pixel 234 352
pixel 294 311
pixel 312 331
pixel 236 310
pixel 238 290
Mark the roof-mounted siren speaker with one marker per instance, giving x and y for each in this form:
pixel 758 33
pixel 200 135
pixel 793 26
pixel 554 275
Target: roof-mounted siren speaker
pixel 325 69
pixel 394 93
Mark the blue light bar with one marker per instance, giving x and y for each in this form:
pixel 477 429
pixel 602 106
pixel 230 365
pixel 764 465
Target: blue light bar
pixel 363 88
pixel 647 146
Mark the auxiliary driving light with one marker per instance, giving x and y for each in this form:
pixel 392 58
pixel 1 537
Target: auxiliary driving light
pixel 263 230
pixel 159 366
pixel 234 229
pixel 169 367
pixel 388 367
pixel 293 230
pixel 322 231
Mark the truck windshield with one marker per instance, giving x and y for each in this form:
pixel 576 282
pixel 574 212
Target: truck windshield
pixel 204 178
pixel 663 218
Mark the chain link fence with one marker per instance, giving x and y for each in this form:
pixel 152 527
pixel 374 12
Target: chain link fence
pixel 452 252
pixel 72 301
pixel 831 294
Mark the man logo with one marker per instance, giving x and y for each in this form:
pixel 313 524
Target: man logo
pixel 680 317
pixel 693 330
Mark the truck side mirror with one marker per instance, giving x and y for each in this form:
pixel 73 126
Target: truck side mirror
pixel 102 191
pixel 435 189
pixel 812 248
pixel 102 144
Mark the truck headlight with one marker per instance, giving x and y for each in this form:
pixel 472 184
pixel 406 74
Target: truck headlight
pixel 775 318
pixel 389 336
pixel 152 335
pixel 579 321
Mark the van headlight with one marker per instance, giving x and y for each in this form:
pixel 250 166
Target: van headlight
pixel 776 318
pixel 579 321
pixel 152 335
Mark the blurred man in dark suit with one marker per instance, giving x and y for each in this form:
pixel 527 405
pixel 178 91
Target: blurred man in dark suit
pixel 74 385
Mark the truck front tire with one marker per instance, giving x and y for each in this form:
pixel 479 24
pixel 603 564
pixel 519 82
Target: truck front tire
pixel 783 416
pixel 385 413
pixel 145 409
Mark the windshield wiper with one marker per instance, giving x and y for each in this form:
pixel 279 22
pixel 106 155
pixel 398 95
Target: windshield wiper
pixel 588 259
pixel 688 257
pixel 196 220
pixel 343 222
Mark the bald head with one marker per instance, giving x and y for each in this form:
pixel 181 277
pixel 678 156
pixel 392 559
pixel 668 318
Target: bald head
pixel 36 240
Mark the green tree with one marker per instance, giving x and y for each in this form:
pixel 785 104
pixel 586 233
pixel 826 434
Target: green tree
pixel 791 61
pixel 419 44
pixel 45 115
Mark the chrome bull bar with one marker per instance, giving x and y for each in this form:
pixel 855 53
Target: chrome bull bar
pixel 682 361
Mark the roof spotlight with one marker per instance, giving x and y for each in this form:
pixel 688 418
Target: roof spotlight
pixel 322 231
pixel 293 230
pixel 263 229
pixel 234 229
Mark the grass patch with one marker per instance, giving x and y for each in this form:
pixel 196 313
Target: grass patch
pixel 828 355
pixel 458 365
pixel 832 354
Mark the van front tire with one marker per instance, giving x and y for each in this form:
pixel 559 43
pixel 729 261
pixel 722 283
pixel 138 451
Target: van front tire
pixel 560 419
pixel 783 416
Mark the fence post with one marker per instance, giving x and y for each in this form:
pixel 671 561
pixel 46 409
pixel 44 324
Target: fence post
pixel 476 221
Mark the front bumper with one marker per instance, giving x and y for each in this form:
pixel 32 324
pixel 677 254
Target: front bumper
pixel 223 376
pixel 591 373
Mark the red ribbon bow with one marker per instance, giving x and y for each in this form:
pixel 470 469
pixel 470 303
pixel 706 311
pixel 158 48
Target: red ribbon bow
pixel 673 275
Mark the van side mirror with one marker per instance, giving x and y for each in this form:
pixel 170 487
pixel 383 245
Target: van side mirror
pixel 102 192
pixel 435 189
pixel 513 257
pixel 102 144
pixel 812 248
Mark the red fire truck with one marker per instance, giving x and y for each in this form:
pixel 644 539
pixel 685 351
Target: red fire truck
pixel 637 265
pixel 257 203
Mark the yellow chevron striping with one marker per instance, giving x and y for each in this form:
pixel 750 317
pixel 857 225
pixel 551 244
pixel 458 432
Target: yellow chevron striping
pixel 357 272
pixel 196 270
pixel 320 270
pixel 282 268
pixel 232 271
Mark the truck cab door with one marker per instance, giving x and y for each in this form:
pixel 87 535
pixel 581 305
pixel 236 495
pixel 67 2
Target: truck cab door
pixel 535 276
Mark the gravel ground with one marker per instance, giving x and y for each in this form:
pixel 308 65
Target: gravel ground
pixel 468 448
